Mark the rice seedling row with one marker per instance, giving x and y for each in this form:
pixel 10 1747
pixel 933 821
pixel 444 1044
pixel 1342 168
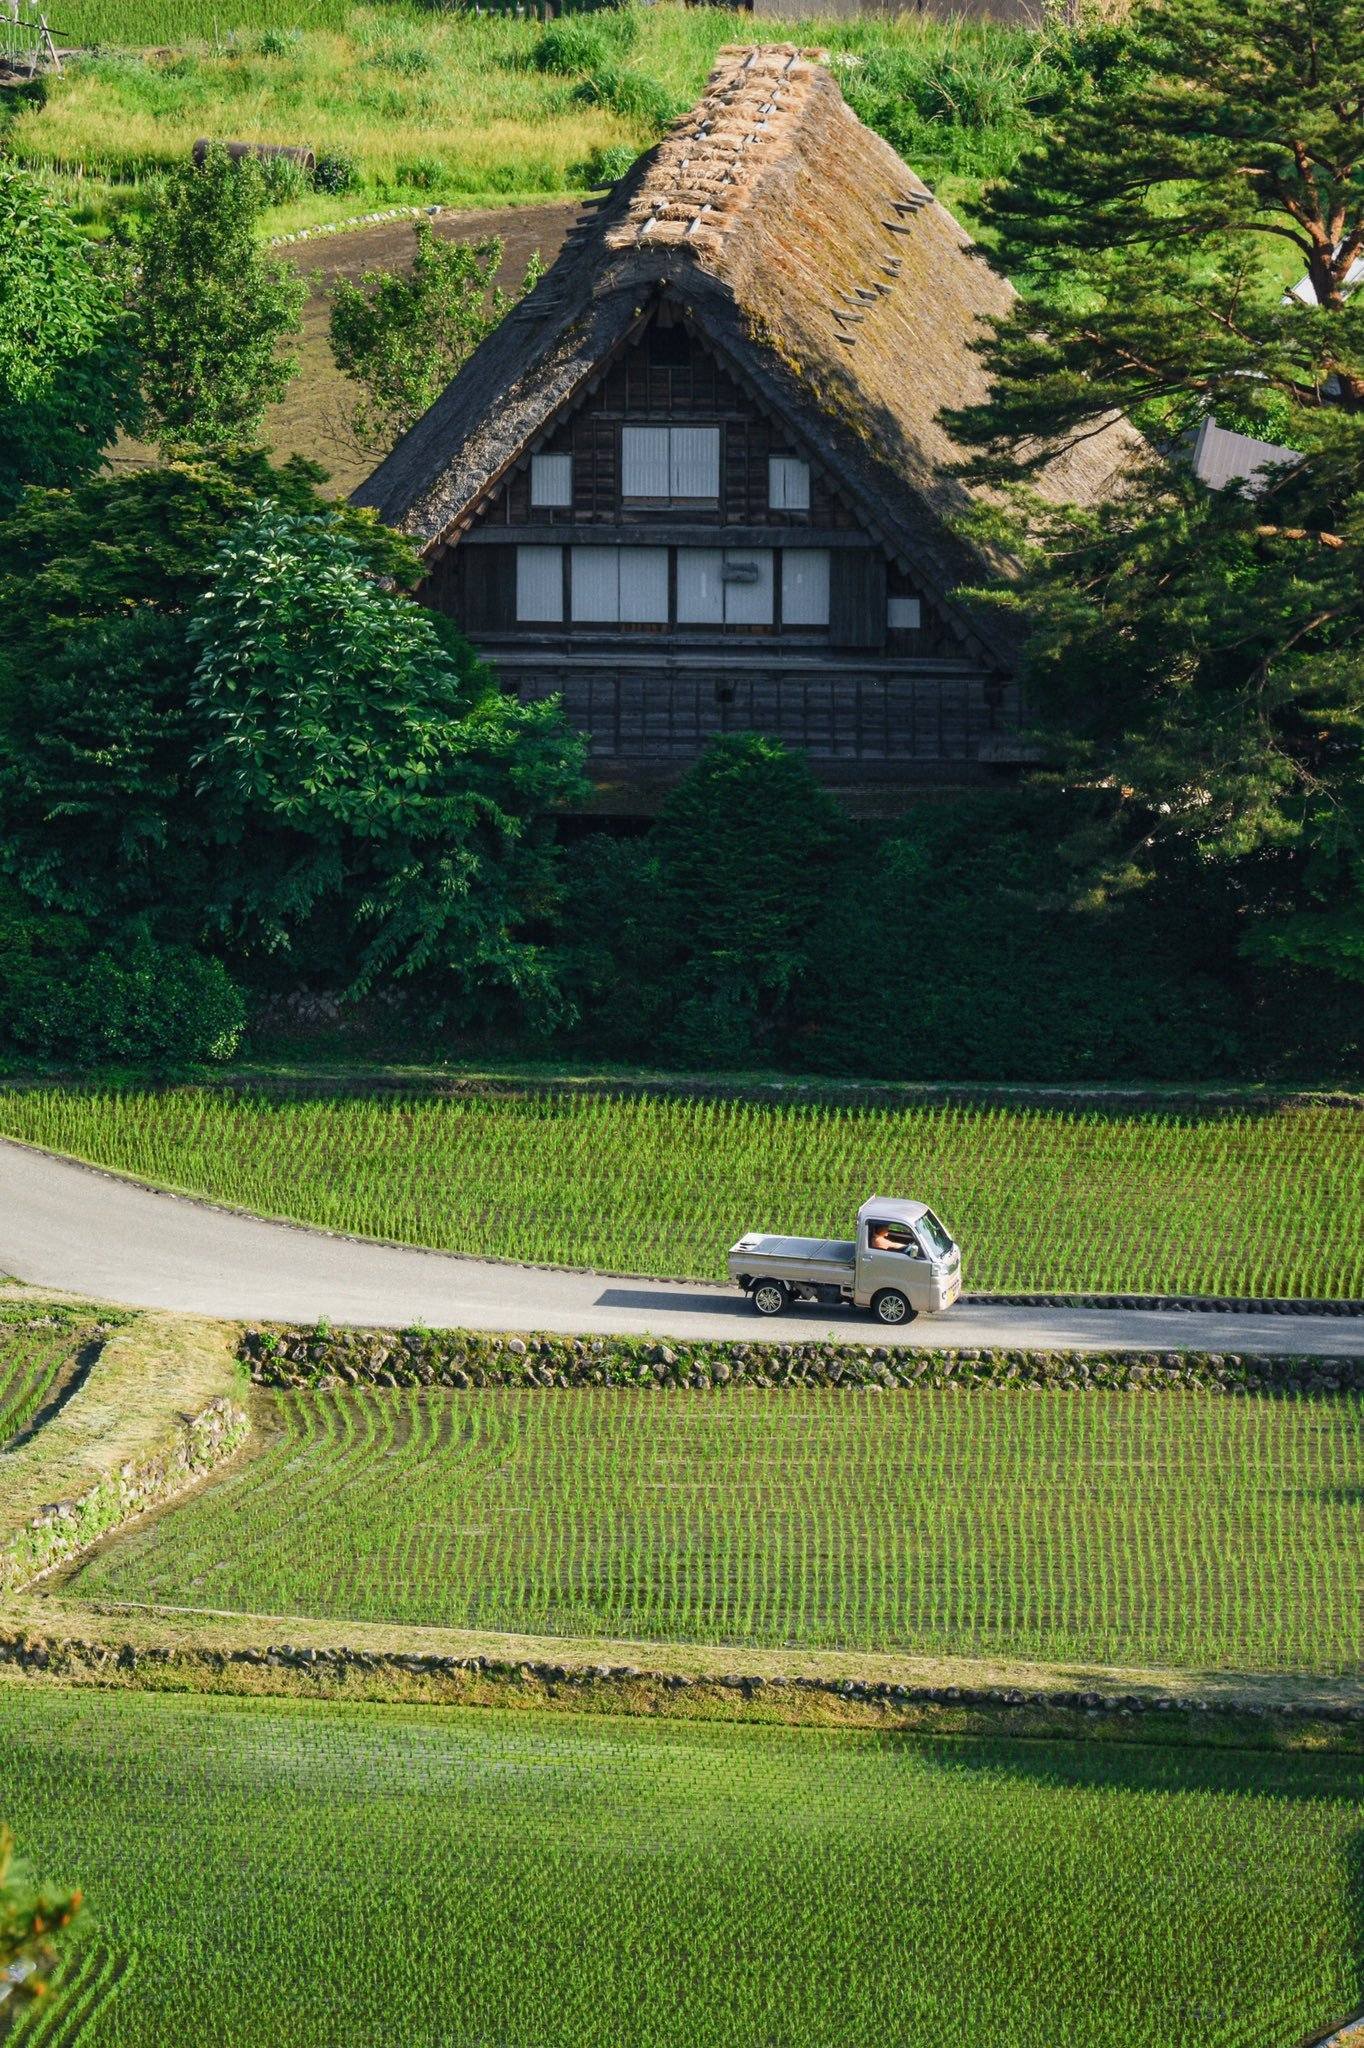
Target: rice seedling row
pixel 340 1876
pixel 39 1351
pixel 1185 1530
pixel 1070 1200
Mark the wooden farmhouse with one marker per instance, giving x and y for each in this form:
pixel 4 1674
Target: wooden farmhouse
pixel 697 482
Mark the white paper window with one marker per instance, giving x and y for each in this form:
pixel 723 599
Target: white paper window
pixel 643 586
pixel 902 614
pixel 625 585
pixel 724 587
pixel 540 585
pixel 694 462
pixel 673 463
pixel 644 462
pixel 551 479
pixel 788 484
pixel 805 586
pixel 700 593
pixel 747 579
pixel 595 584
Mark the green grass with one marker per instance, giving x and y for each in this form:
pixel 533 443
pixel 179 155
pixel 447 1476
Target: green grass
pixel 448 105
pixel 300 1876
pixel 1195 1531
pixel 1244 1203
pixel 39 1351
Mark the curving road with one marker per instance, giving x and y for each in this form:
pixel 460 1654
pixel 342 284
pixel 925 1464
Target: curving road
pixel 82 1231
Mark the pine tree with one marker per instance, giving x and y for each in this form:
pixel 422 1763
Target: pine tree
pixel 1197 660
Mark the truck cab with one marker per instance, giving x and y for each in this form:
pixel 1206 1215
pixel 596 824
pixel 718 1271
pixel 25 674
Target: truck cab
pixel 903 1250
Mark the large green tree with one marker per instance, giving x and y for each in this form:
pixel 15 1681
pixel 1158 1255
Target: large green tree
pixel 400 335
pixel 368 781
pixel 100 813
pixel 213 310
pixel 68 374
pixel 1197 661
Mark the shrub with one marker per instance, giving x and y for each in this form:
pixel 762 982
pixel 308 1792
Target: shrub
pixel 631 94
pixel 335 172
pixel 607 166
pixel 283 179
pixel 64 994
pixel 424 173
pixel 576 43
pixel 277 42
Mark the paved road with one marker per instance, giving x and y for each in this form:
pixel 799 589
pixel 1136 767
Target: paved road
pixel 72 1228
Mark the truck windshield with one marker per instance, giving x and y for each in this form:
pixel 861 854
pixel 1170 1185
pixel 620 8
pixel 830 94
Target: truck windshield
pixel 935 1240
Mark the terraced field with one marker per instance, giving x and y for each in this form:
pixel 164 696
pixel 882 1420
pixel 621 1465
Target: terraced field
pixel 433 1878
pixel 1191 1530
pixel 1254 1203
pixel 40 1350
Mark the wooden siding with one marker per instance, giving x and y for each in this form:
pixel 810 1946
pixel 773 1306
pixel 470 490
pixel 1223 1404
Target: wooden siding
pixel 869 716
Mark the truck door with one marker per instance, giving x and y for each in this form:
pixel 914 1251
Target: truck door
pixel 889 1255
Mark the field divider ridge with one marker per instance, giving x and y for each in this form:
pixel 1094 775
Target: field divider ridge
pixel 131 1646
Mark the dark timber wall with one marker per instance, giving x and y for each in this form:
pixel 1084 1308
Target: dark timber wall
pixel 868 697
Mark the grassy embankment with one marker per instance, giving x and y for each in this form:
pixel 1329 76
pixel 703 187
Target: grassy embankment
pixel 457 108
pixel 340 1874
pixel 1219 1201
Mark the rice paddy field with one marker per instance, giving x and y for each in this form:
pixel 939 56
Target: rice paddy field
pixel 1195 1531
pixel 1262 1203
pixel 338 1877
pixel 40 1352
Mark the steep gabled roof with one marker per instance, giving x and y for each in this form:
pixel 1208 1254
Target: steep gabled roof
pixel 813 262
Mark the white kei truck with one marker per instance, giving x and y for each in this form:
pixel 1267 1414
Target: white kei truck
pixel 901 1264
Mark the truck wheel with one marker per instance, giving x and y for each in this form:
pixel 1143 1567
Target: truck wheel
pixel 769 1297
pixel 890 1306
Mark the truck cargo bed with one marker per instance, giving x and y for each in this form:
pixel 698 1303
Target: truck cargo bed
pixel 826 1260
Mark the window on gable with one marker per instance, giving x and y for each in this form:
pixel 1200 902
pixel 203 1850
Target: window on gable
pixel 903 614
pixel 788 483
pixel 724 586
pixel 551 480
pixel 674 464
pixel 805 586
pixel 539 585
pixel 625 586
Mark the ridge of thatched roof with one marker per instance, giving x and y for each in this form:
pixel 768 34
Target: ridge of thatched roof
pixel 815 263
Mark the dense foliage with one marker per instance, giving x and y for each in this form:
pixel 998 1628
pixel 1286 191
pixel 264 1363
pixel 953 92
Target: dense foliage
pixel 1256 1202
pixel 1198 658
pixel 486 1877
pixel 222 727
pixel 68 373
pixel 755 923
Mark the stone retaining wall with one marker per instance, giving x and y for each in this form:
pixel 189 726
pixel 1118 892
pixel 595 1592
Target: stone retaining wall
pixel 426 1676
pixel 284 1357
pixel 60 1531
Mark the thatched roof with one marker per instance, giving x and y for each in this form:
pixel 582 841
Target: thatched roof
pixel 813 261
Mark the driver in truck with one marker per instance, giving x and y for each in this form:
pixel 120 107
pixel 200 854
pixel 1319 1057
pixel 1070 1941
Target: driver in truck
pixel 890 1237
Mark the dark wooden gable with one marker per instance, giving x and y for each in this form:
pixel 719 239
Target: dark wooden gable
pixel 666 373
